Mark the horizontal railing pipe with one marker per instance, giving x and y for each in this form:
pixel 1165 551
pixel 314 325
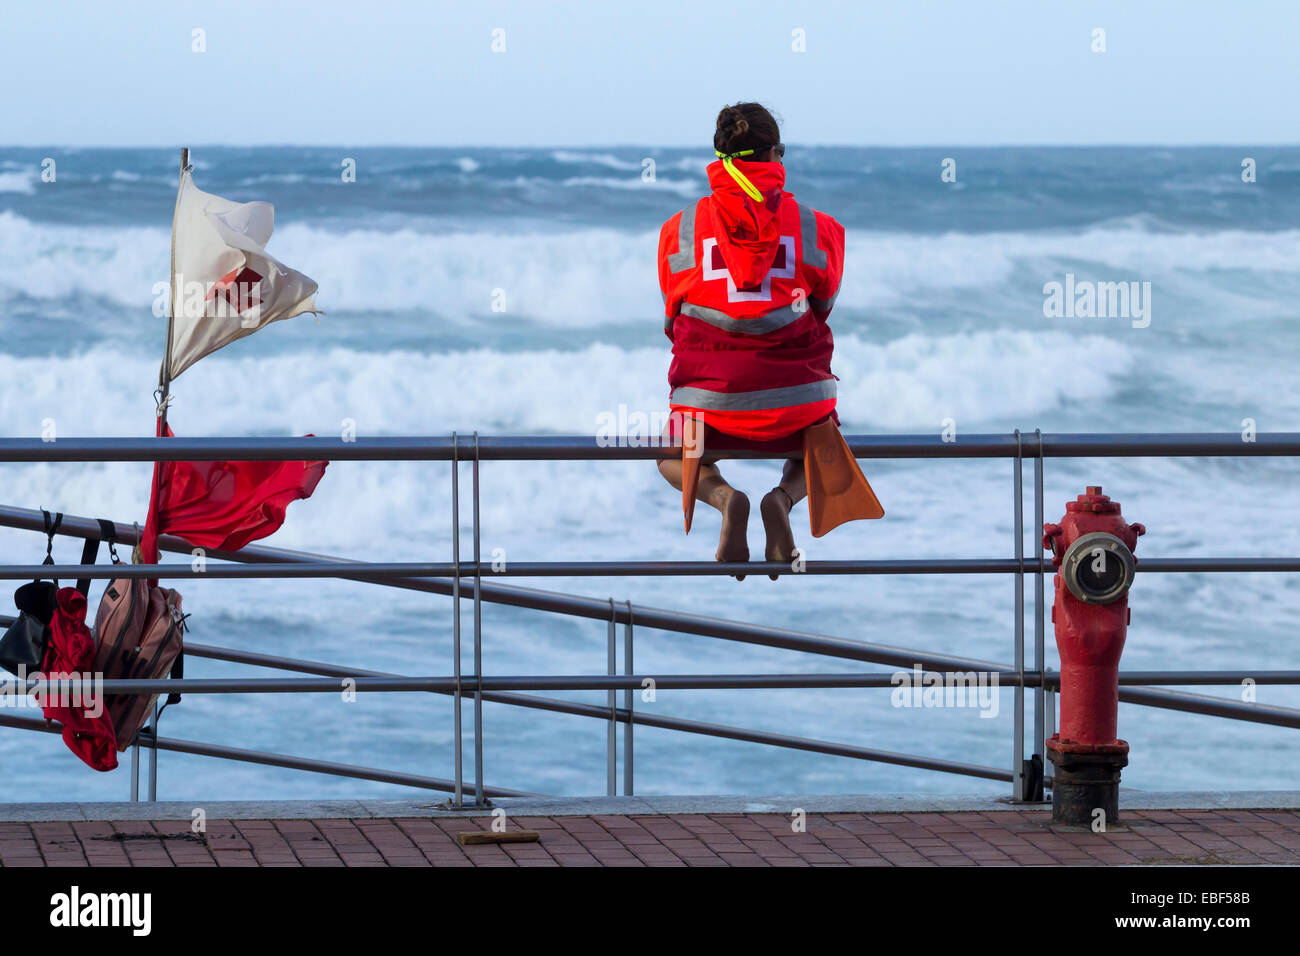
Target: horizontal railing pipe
pixel 310 685
pixel 394 684
pixel 592 608
pixel 1206 677
pixel 447 686
pixel 379 570
pixel 1210 706
pixel 287 761
pixel 1187 703
pixel 537 569
pixel 592 448
pixel 643 719
pixel 621 715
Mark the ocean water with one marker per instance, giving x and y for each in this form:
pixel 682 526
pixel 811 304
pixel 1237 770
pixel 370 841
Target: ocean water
pixel 940 317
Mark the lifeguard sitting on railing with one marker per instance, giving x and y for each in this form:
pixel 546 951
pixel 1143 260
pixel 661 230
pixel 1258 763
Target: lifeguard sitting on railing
pixel 749 277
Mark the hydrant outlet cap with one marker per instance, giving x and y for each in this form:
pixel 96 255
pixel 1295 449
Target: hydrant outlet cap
pixel 1094 501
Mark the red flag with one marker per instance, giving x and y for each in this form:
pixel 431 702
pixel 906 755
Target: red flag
pixel 223 505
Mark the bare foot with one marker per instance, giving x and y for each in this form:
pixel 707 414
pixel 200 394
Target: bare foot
pixel 732 542
pixel 775 509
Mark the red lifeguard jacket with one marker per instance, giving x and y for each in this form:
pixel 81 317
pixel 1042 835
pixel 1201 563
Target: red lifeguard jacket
pixel 747 290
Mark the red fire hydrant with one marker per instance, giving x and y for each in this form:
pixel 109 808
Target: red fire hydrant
pixel 1092 552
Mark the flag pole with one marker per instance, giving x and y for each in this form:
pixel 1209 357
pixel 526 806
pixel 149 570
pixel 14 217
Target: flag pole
pixel 155 487
pixel 164 374
pixel 164 389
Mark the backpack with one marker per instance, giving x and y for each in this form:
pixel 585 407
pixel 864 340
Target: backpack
pixel 138 636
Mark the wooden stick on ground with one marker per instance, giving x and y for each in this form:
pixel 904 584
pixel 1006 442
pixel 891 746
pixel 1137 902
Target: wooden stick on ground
pixel 476 837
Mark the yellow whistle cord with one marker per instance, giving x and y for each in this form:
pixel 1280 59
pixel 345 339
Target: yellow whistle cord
pixel 750 189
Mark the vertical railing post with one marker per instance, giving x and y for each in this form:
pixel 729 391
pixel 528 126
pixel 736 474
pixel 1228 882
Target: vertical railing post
pixel 611 736
pixel 458 799
pixel 135 772
pixel 153 757
pixel 628 699
pixel 1018 751
pixel 1040 646
pixel 1049 719
pixel 478 643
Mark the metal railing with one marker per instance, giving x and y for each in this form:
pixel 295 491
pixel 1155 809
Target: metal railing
pixel 445 578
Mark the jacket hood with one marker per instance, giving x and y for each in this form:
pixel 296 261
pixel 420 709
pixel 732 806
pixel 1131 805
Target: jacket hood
pixel 748 233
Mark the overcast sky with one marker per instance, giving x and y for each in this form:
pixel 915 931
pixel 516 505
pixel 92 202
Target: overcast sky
pixel 900 72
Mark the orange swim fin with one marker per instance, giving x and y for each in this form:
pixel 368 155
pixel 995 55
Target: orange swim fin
pixel 837 489
pixel 692 454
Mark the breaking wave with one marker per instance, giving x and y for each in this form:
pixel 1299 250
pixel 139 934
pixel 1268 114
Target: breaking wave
pixel 596 276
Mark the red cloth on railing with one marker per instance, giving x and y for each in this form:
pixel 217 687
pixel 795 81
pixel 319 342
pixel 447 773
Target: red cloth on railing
pixel 223 505
pixel 71 652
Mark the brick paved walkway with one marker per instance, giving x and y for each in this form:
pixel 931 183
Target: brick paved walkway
pixel 1011 837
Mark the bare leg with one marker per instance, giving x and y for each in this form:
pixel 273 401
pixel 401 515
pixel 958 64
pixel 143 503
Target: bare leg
pixel 775 508
pixel 713 490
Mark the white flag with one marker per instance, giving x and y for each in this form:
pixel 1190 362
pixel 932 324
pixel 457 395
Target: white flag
pixel 226 286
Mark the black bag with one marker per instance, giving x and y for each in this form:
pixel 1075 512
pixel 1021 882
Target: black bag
pixel 23 644
pixel 22 649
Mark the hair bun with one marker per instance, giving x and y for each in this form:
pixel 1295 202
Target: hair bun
pixel 744 126
pixel 732 122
